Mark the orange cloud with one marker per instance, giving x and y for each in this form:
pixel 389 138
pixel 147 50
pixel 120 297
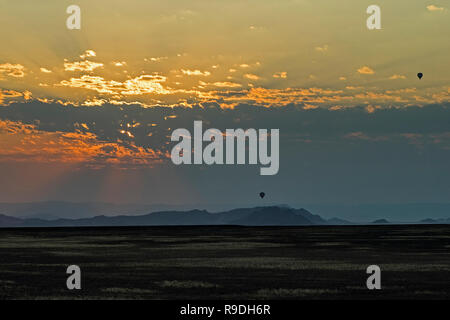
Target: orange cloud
pixel 119 63
pixel 282 75
pixel 196 73
pixel 12 70
pixel 25 143
pixel 322 49
pixel 88 53
pixel 222 84
pixel 365 70
pixel 397 76
pixel 82 66
pixel 251 76
pixel 9 96
pixel 45 70
pixel 156 59
pixel 432 8
pixel 140 85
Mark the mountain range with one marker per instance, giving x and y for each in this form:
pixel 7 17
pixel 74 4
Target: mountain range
pixel 257 216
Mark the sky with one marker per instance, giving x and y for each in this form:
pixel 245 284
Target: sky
pixel 86 115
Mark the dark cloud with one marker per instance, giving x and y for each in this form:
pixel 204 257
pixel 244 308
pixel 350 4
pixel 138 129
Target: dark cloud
pixel 151 127
pixel 343 156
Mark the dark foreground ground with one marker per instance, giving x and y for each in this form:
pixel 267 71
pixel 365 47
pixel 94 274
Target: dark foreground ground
pixel 226 262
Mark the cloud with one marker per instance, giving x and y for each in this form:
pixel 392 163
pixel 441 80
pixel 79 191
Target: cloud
pixel 227 84
pixel 84 148
pixel 45 70
pixel 366 70
pixel 352 88
pixel 88 53
pixel 108 122
pixel 159 90
pixel 12 70
pixel 433 8
pixel 119 63
pixel 132 136
pixel 251 76
pixel 10 93
pixel 156 59
pixel 10 96
pixel 256 28
pixel 137 86
pixel 196 73
pixel 397 76
pixel 331 143
pixel 322 49
pixel 282 75
pixel 82 66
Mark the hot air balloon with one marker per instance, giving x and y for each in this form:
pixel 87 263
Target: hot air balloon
pixel 262 194
pixel 420 75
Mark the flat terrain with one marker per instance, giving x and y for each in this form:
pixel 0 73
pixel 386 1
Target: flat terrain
pixel 226 262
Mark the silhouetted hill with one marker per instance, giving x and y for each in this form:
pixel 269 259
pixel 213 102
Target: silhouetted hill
pixel 276 216
pixel 6 221
pixel 53 210
pixel 258 216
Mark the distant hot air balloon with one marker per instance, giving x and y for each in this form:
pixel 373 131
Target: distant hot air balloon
pixel 262 194
pixel 420 75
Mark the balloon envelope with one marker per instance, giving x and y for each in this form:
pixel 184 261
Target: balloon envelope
pixel 262 194
pixel 420 75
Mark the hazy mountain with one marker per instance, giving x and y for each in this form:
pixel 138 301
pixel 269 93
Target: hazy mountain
pixel 278 216
pixel 381 221
pixel 338 222
pixel 258 216
pixel 52 210
pixel 435 221
pixel 6 221
pixel 401 212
